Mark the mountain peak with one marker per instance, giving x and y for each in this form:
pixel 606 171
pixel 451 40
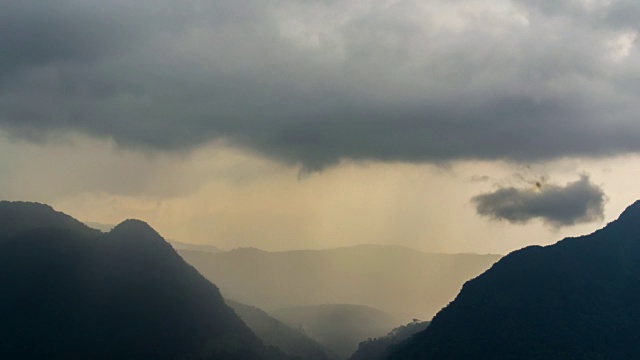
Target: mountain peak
pixel 18 216
pixel 632 212
pixel 573 299
pixel 137 234
pixel 628 221
pixel 135 227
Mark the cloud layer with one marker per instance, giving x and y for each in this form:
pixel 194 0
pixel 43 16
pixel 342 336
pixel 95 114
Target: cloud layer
pixel 313 82
pixel 577 202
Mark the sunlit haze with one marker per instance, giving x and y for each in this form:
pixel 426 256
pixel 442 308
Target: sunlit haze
pixel 232 198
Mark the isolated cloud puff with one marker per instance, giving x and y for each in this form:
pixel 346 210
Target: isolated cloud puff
pixel 580 201
pixel 313 82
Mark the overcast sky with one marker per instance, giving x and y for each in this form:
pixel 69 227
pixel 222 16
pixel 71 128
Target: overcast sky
pixel 443 125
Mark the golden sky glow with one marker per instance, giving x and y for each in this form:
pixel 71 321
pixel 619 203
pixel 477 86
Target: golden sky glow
pixel 232 198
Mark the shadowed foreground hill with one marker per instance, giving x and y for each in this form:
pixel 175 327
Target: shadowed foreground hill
pixel 577 299
pixel 67 292
pixel 378 348
pixel 390 278
pixel 18 216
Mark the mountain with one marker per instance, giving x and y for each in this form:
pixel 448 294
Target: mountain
pixel 379 348
pixel 576 299
pixel 67 291
pixel 19 216
pixel 194 247
pixel 176 244
pixel 383 277
pixel 276 333
pixel 99 226
pixel 339 327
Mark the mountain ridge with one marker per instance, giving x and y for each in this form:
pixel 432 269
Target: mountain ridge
pixel 68 293
pixel 573 299
pixel 372 246
pixel 339 327
pixel 378 276
pixel 276 333
pixel 17 216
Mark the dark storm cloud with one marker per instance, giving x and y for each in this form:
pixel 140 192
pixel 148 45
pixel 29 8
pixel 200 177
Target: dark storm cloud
pixel 576 202
pixel 312 82
pixel 608 14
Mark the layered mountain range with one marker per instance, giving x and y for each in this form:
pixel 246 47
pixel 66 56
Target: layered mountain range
pixel 402 281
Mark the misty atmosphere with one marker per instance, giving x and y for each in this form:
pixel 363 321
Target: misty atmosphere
pixel 319 180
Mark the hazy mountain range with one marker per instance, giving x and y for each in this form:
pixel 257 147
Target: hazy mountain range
pixel 390 278
pixel 274 332
pixel 195 247
pixel 339 327
pixel 379 276
pixel 309 292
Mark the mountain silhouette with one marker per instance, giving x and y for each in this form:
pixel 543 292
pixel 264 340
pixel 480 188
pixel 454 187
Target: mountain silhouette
pixel 69 292
pixel 176 244
pixel 19 216
pixel 378 348
pixel 576 299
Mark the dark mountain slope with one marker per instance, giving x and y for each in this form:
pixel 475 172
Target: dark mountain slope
pixel 121 295
pixel 577 299
pixel 379 348
pixel 19 216
pixel 276 333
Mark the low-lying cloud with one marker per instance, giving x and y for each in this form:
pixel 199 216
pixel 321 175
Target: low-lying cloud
pixel 580 201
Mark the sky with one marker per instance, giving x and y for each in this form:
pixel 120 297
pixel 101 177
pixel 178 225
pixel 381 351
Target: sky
pixel 447 126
